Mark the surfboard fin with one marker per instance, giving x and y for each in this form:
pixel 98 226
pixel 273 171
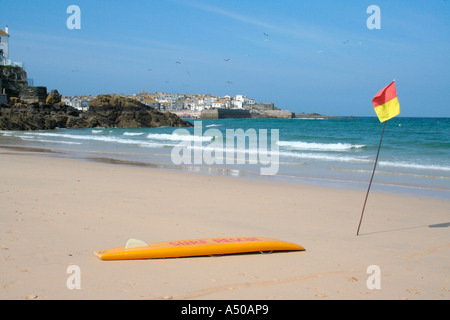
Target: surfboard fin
pixel 134 243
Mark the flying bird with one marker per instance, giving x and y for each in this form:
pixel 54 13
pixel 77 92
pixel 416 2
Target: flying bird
pixel 345 42
pixel 266 35
pixel 226 59
pixel 178 62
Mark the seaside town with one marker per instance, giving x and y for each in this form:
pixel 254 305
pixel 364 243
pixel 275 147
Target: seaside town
pixel 174 101
pixel 15 86
pixel 160 100
pixel 198 105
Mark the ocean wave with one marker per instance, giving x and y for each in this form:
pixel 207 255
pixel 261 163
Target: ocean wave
pixel 133 133
pixel 324 156
pixel 83 137
pixel 281 154
pixel 408 165
pixel 177 137
pixel 300 145
pixel 30 138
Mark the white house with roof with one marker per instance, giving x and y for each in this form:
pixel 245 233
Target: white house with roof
pixel 4 49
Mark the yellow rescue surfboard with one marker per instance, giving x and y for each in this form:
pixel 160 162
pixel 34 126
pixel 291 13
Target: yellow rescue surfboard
pixel 137 249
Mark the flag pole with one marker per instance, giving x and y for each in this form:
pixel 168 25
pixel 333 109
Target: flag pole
pixel 370 183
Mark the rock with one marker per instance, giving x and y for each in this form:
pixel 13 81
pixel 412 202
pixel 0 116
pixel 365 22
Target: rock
pixel 105 112
pixel 108 111
pixel 53 97
pixel 13 79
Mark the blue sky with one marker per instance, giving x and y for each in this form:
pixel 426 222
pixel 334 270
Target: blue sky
pixel 318 56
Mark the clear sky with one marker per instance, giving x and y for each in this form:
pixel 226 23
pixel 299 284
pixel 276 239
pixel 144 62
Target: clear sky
pixel 303 55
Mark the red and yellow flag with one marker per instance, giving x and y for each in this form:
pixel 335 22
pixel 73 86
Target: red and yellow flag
pixel 386 103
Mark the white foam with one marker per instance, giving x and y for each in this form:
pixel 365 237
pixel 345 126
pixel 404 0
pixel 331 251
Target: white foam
pixel 177 137
pixel 300 145
pixel 133 133
pixel 324 156
pixel 408 165
pixel 84 137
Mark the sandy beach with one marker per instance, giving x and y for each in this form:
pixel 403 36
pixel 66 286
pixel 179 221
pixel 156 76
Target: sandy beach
pixel 55 212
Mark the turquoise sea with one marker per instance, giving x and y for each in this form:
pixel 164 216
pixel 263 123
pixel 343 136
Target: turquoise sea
pixel 414 156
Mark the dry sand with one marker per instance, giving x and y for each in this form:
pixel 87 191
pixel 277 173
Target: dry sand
pixel 56 212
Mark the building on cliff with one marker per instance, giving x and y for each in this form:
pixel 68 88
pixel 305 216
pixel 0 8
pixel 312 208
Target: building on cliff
pixel 4 50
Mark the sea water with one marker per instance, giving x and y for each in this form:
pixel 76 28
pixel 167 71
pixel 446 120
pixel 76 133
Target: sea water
pixel 414 155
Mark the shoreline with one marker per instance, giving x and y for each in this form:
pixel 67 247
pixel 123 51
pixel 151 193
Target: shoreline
pixel 57 211
pixel 242 172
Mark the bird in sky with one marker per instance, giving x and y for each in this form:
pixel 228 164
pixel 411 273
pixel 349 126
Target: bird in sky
pixel 266 34
pixel 178 62
pixel 226 59
pixel 345 42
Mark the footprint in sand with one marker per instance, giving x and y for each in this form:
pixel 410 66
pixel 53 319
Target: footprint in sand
pixel 10 285
pixel 23 269
pixel 413 291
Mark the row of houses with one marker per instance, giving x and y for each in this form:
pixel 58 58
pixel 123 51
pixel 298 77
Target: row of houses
pixel 194 102
pixel 78 102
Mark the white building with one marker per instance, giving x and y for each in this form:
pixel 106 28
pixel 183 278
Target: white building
pixel 4 50
pixel 4 47
pixel 79 103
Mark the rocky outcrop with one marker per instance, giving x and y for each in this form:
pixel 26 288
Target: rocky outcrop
pixel 33 94
pixel 53 97
pixel 108 111
pixel 104 112
pixel 14 80
pixel 37 116
pixel 313 115
pixel 279 114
